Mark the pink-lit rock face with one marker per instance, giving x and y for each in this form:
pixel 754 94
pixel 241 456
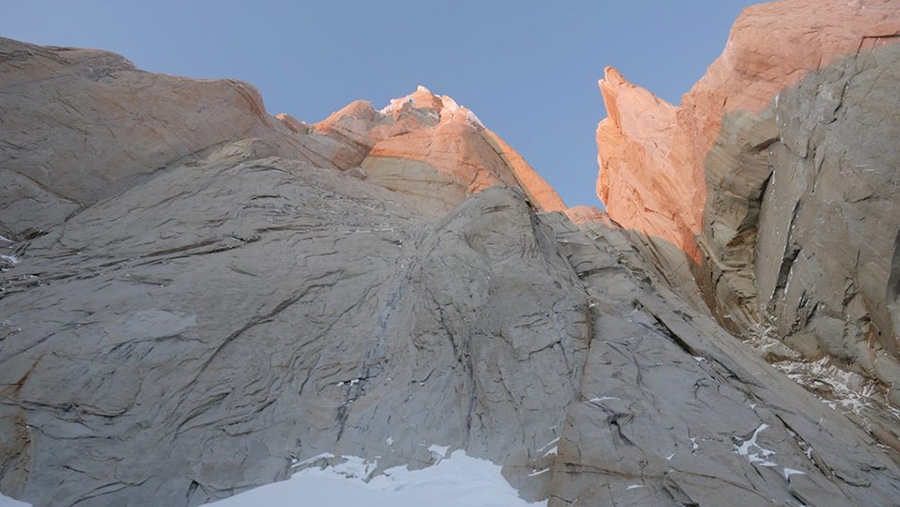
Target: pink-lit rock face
pixel 776 176
pixel 589 214
pixel 652 155
pixel 428 145
pixel 642 178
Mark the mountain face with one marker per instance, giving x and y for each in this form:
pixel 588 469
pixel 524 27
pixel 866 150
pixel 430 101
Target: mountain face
pixel 198 298
pixel 777 177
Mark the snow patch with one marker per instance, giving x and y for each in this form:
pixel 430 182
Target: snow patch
pixel 439 451
pixel 604 398
pixel 790 471
pixel 394 105
pixel 309 461
pixel 634 486
pixel 457 481
pixel 761 454
pixel 451 108
pixel 472 119
pixel 355 467
pixel 450 105
pixel 548 450
pixel 11 259
pixel 844 390
pixel 6 501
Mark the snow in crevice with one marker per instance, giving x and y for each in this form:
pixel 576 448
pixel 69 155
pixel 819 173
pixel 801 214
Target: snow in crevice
pixel 604 398
pixel 351 382
pixel 309 461
pixel 802 444
pixel 788 472
pixel 12 259
pixel 549 448
pixel 694 445
pixel 758 456
pixel 841 390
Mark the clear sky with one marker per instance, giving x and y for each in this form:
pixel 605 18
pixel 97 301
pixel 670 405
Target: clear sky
pixel 527 68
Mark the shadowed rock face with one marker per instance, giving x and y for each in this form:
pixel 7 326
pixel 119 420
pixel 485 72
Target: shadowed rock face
pixel 822 217
pixel 208 320
pixel 785 156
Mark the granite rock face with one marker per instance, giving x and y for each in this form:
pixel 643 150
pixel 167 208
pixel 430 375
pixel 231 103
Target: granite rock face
pixel 429 146
pixel 784 157
pixel 89 125
pixel 191 321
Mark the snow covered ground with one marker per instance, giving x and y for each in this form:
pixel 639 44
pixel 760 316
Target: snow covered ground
pixel 457 480
pixel 6 501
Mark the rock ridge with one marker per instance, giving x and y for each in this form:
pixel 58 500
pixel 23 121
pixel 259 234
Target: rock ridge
pixel 207 312
pixel 775 177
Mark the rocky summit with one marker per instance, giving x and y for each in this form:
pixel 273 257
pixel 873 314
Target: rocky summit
pixel 198 298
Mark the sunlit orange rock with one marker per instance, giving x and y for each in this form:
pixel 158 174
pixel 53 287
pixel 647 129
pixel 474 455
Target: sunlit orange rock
pixel 589 214
pixel 652 155
pixel 428 145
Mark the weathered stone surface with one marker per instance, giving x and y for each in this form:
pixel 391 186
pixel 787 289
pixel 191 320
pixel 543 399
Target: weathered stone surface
pixel 776 176
pixel 429 146
pixel 89 125
pixel 830 216
pixel 258 312
pixel 655 154
pixel 218 322
pixel 668 396
pixel 796 240
pixel 582 214
pixel 642 176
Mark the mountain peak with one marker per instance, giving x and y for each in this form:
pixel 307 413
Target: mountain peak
pixel 199 298
pixel 428 144
pixel 424 101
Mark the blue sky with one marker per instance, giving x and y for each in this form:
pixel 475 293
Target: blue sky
pixel 528 69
